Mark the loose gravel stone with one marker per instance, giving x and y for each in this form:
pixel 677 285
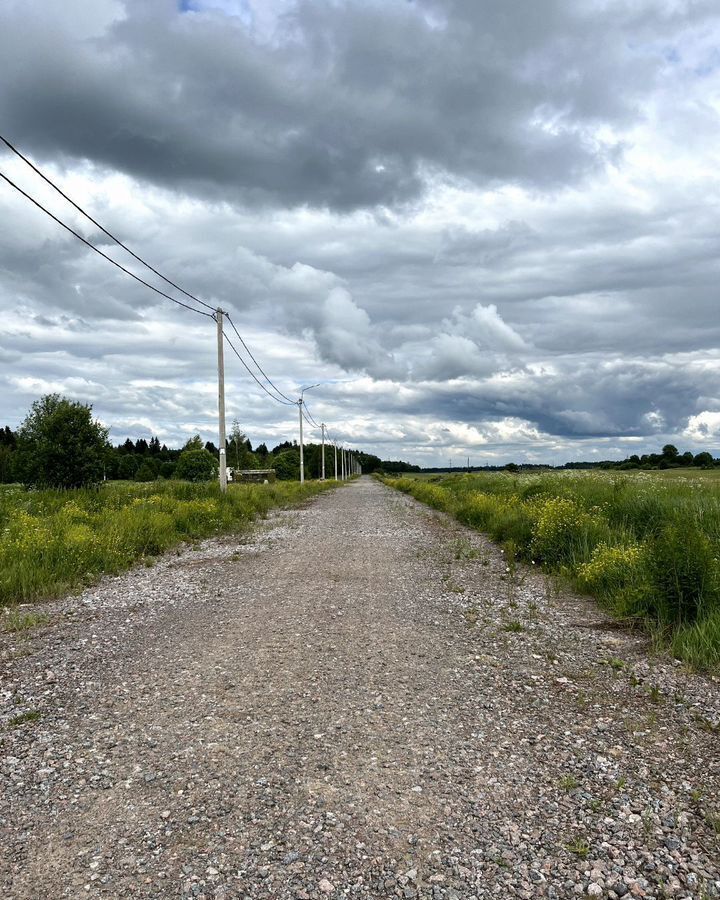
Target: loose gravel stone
pixel 333 706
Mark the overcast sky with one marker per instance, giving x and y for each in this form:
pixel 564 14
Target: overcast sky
pixel 490 228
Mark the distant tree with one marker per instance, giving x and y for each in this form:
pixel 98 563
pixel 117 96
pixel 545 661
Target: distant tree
pixel 703 460
pixel 60 444
pixel 512 467
pixel 127 447
pixel 141 446
pixel 146 472
pixel 240 452
pixel 7 464
pixel 7 437
pixel 262 451
pixel 670 452
pixel 195 443
pixel 287 465
pixel 127 467
pixel 167 470
pixel 211 448
pixel 687 459
pixel 154 446
pixel 196 465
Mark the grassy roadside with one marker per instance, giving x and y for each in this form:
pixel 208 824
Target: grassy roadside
pixel 647 548
pixel 52 542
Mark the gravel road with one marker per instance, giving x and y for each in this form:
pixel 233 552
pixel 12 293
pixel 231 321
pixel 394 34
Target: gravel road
pixel 358 699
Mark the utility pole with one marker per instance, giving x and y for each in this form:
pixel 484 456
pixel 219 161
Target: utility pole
pixel 322 426
pixel 300 408
pixel 221 399
pixel 302 459
pixel 342 463
pixel 335 448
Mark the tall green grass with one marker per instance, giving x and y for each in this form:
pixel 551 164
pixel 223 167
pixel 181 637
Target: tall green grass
pixel 648 548
pixel 54 541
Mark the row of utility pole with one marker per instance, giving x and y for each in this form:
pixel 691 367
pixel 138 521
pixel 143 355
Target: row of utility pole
pixel 349 463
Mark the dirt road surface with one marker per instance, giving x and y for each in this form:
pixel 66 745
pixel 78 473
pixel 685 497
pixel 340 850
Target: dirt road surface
pixel 359 699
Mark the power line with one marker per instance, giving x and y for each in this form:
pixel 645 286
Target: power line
pixel 253 375
pixel 117 240
pixel 262 372
pixel 280 398
pixel 308 416
pixel 100 252
pixel 101 227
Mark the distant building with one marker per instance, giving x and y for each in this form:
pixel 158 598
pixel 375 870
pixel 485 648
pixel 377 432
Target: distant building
pixel 251 476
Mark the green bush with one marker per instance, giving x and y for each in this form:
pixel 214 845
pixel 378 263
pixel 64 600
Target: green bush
pixel 684 572
pixel 59 444
pixel 196 465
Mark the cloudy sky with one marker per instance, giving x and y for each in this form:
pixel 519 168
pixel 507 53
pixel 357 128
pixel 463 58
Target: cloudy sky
pixel 489 228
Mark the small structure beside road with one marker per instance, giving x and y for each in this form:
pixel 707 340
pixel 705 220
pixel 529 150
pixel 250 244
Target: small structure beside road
pixel 252 476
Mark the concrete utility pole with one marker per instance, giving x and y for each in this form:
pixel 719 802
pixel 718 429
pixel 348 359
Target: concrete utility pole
pixel 322 426
pixel 302 459
pixel 342 463
pixel 335 448
pixel 300 408
pixel 221 399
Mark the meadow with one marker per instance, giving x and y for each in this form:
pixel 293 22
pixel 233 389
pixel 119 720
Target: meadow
pixel 645 544
pixel 52 542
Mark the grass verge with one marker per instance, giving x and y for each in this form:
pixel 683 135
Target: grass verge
pixel 52 542
pixel 647 548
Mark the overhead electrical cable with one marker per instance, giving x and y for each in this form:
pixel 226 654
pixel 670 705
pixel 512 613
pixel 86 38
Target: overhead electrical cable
pixel 124 246
pixel 254 376
pixel 278 395
pixel 262 372
pixel 308 416
pixel 101 227
pixel 100 252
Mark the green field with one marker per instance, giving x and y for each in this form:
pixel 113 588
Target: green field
pixel 646 544
pixel 52 542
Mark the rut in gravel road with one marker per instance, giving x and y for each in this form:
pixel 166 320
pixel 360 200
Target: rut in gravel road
pixel 359 699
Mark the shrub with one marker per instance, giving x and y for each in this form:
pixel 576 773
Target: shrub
pixel 618 576
pixel 146 472
pixel 564 533
pixel 196 465
pixel 60 445
pixel 684 572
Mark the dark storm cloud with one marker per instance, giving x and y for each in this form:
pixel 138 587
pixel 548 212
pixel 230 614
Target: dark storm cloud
pixel 352 105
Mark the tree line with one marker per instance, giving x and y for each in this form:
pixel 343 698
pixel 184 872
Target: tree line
pixel 668 458
pixel 60 444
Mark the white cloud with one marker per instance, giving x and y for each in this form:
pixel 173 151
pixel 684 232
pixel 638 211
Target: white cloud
pixel 703 427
